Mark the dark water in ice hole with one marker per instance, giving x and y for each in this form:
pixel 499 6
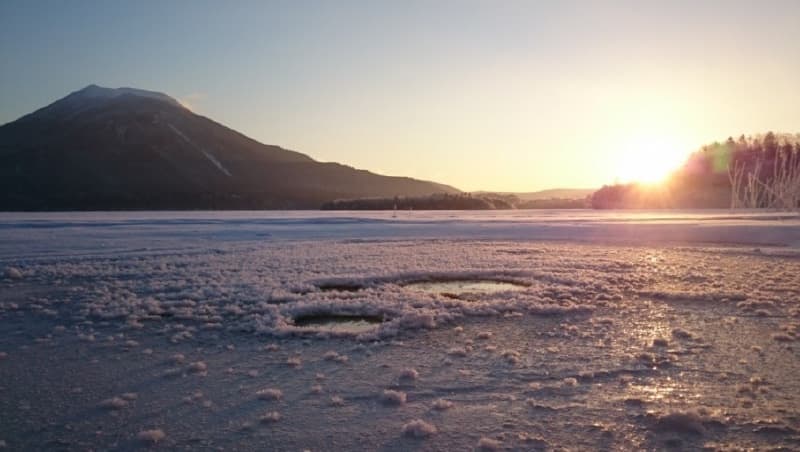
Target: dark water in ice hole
pixel 339 323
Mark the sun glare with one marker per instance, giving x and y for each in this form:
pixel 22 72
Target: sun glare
pixel 649 159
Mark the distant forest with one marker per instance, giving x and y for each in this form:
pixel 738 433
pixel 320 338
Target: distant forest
pixel 748 172
pixel 460 201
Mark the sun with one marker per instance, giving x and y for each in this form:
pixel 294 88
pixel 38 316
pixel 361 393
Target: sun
pixel 649 159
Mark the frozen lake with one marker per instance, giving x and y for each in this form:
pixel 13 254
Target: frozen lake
pixel 37 234
pixel 501 330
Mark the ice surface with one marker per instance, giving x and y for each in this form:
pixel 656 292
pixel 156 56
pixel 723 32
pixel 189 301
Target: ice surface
pixel 198 330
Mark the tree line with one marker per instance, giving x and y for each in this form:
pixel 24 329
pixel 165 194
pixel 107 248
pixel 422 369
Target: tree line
pixel 761 171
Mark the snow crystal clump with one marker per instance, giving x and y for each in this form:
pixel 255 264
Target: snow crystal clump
pixel 682 422
pixel 114 403
pixel 151 436
pixel 512 356
pixel 660 342
pixel 13 273
pixel 489 445
pixel 171 373
pixel 198 367
pixel 442 404
pixel 457 351
pixel 333 356
pixel 419 429
pixel 680 333
pixel 391 397
pixel 409 374
pixel 270 394
pixel 272 416
pixel 294 362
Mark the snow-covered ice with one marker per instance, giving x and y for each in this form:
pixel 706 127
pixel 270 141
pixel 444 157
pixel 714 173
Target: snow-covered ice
pixel 359 331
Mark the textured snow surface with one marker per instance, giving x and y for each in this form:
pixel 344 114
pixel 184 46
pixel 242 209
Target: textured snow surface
pixel 201 331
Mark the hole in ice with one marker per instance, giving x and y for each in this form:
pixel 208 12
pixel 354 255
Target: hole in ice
pixel 453 288
pixel 340 287
pixel 339 323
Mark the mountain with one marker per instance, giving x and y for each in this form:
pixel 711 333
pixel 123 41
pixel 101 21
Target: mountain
pixel 126 148
pixel 553 193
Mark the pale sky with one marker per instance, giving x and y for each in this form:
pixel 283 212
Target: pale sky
pixel 481 95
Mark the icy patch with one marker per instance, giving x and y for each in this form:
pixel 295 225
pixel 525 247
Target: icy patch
pixel 335 323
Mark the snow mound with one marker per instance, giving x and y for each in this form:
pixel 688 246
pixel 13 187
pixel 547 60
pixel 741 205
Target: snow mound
pixel 152 436
pixel 418 428
pixel 409 374
pixel 392 397
pixel 269 394
pixel 489 445
pixel 442 405
pixel 114 403
pixel 269 417
pixel 687 421
pixel 12 273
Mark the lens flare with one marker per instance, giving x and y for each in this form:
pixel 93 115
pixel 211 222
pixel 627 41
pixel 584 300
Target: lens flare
pixel 649 159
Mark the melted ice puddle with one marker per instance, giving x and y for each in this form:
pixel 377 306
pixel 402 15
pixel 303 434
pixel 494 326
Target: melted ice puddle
pixel 339 323
pixel 458 287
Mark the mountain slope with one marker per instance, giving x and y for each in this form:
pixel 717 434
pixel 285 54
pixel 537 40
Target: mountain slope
pixel 101 148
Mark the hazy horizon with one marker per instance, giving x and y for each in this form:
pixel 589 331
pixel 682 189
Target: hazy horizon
pixel 512 97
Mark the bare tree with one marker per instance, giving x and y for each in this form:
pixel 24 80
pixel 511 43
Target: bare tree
pixel 750 190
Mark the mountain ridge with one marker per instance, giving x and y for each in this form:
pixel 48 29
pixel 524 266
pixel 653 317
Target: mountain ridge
pixel 550 193
pixel 126 148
